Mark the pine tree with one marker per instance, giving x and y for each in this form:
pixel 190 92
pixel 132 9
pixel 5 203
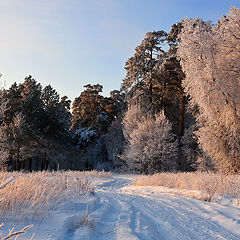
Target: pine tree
pixel 14 104
pixel 37 120
pixel 154 75
pixel 4 148
pixel 92 110
pixel 57 122
pixel 141 67
pixel 32 105
pixel 58 116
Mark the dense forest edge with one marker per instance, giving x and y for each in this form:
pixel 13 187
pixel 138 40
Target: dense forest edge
pixel 178 109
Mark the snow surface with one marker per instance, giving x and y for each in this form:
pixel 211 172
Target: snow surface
pixel 122 211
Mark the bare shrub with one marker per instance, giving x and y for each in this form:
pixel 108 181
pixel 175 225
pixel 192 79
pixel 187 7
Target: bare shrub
pixel 15 234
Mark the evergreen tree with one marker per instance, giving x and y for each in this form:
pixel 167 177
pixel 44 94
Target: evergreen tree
pixel 4 148
pixel 92 116
pixel 58 116
pixel 141 66
pixel 57 122
pixel 33 106
pixel 37 121
pixel 115 143
pixel 92 110
pixel 154 76
pixel 14 104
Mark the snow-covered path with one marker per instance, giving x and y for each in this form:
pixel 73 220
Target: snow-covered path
pixel 123 212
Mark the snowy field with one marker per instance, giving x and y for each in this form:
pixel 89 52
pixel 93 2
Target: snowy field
pixel 119 210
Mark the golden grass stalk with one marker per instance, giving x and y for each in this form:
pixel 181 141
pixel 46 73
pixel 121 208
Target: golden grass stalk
pixel 32 195
pixel 210 183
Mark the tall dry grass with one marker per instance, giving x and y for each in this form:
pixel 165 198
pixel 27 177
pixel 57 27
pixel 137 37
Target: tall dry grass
pixel 212 184
pixel 32 195
pixel 81 220
pixel 98 174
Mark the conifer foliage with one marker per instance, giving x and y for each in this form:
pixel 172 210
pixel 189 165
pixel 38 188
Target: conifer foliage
pixel 154 75
pixel 141 66
pixel 92 114
pixel 33 119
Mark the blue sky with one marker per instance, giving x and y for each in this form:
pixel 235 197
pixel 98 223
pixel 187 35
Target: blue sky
pixel 69 43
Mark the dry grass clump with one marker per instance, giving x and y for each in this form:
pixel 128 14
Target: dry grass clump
pixel 81 221
pixel 94 173
pixel 31 195
pixel 212 184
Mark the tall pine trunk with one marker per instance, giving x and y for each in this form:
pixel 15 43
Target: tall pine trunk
pixel 182 115
pixel 30 164
pixel 181 164
pixel 36 164
pixel 46 165
pixel 151 86
pixel 44 157
pixel 18 159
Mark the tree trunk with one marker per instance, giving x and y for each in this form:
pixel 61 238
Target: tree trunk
pixel 14 164
pixel 23 164
pixel 182 113
pixel 76 165
pixel 36 164
pixel 30 164
pixel 181 164
pixel 151 94
pixel 151 86
pixel 46 165
pixel 44 157
pixel 18 160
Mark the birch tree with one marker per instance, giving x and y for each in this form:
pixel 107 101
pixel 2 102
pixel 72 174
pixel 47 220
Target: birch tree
pixel 210 58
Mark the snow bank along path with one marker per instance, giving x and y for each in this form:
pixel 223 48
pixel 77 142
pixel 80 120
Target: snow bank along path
pixel 122 211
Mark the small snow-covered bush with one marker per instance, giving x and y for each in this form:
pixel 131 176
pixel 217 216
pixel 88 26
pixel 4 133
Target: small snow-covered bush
pixel 83 136
pixel 151 145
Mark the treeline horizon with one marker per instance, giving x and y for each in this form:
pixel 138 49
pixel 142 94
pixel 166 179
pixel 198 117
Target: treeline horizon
pixel 177 110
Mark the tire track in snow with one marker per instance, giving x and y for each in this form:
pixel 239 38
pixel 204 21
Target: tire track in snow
pixel 113 219
pixel 174 224
pixel 134 216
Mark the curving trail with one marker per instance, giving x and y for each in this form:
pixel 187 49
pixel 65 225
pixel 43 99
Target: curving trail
pixel 123 213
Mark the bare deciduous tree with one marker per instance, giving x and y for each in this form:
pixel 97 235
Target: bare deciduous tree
pixel 151 145
pixel 210 58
